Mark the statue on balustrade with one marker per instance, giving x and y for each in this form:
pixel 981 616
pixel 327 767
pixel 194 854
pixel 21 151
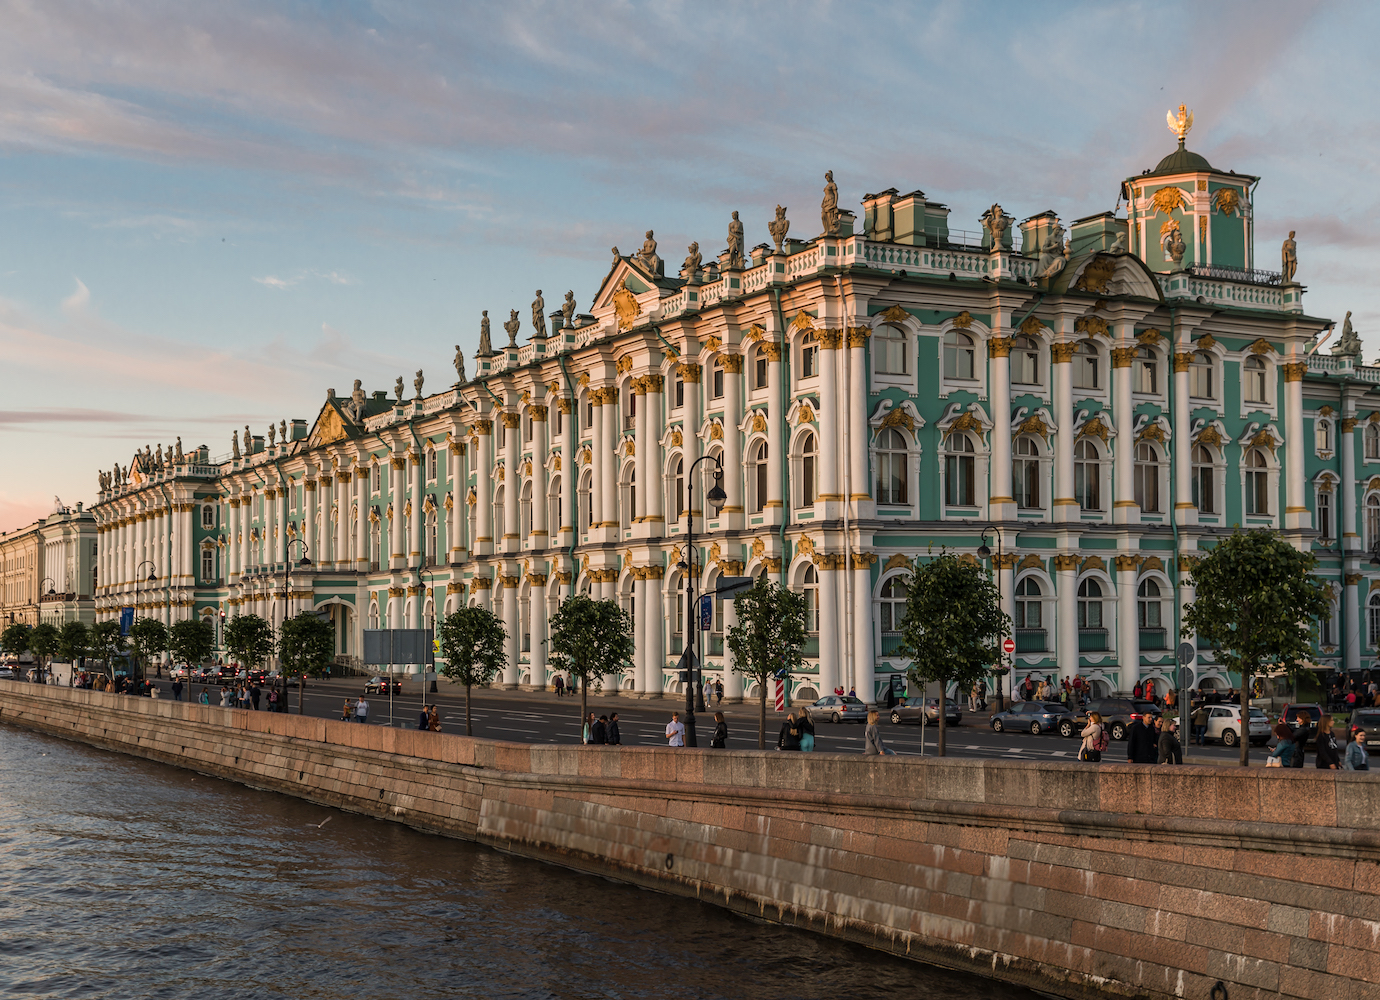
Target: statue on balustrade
pixel 539 315
pixel 512 327
pixel 779 227
pixel 459 366
pixel 568 309
pixel 647 256
pixel 1053 255
pixel 1350 343
pixel 235 444
pixel 829 207
pixel 1289 258
pixel 735 242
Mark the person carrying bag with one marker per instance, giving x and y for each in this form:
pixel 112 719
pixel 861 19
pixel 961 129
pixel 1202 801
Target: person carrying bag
pixel 1094 739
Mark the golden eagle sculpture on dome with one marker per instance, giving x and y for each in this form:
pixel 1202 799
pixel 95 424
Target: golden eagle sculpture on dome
pixel 1180 124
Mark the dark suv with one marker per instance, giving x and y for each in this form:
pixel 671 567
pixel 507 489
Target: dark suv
pixel 1117 714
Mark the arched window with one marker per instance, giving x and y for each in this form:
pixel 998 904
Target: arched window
pixel 758 476
pixel 807 470
pixel 473 521
pixel 1325 515
pixel 1087 475
pixel 1025 473
pixel 1147 371
pixel 525 528
pixel 1327 624
pixel 1373 619
pixel 1149 607
pixel 759 367
pixel 716 382
pixel 1204 481
pixel 498 522
pixel 810 588
pixel 525 619
pixel 431 465
pixel 554 514
pixel 377 477
pixel 1253 379
pixel 1372 521
pixel 375 548
pixel 629 409
pixel 586 500
pixel 627 497
pixel 678 392
pixel 893 605
pixel 676 506
pixel 373 616
pixel 1201 383
pixel 1087 366
pixel 889 350
pixel 892 471
pixel 809 356
pixel 1090 604
pixel 589 413
pixel 1257 483
pixel 1029 604
pixel 960 471
pixel 1147 478
pixel 958 355
pixel 1372 438
pixel 1322 435
pixel 1025 361
pixel 526 426
pixel 430 554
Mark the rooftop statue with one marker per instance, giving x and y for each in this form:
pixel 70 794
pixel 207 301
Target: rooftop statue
pixel 616 256
pixel 158 456
pixel 398 388
pixel 829 207
pixel 248 441
pixel 735 242
pixel 1118 244
pixel 1289 258
pixel 234 444
pixel 691 268
pixel 271 431
pixel 995 222
pixel 539 315
pixel 178 457
pixel 778 227
pixel 647 255
pixel 282 431
pixel 459 366
pixel 568 309
pixel 1350 343
pixel 512 327
pixel 417 383
pixel 1052 253
pixel 485 347
pixel 358 405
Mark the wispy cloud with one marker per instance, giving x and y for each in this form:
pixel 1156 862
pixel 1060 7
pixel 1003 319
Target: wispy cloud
pixel 330 277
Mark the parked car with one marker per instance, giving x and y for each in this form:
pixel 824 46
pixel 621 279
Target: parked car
pixel 837 708
pixel 379 685
pixel 1035 717
pixel 1117 714
pixel 901 714
pixel 8 673
pixel 1313 710
pixel 1369 720
pixel 1224 723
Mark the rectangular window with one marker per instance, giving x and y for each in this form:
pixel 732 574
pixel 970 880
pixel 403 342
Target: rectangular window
pixel 1257 493
pixel 1147 487
pixel 1325 517
pixel 1203 492
pixel 1146 377
pixel 808 355
pixel 208 516
pixel 208 566
pixel 958 480
pixel 890 348
pixel 680 392
pixel 718 383
pixel 558 419
pixel 760 371
pixel 1025 367
pixel 1200 380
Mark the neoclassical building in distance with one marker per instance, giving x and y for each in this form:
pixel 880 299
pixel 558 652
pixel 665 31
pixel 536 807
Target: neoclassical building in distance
pixel 1097 404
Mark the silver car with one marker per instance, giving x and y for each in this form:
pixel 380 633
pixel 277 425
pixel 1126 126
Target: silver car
pixel 837 708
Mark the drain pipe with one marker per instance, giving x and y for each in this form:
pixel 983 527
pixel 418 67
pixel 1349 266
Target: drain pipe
pixel 1174 529
pixel 785 433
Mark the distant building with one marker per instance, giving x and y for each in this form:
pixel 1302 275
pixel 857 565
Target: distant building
pixel 873 396
pixel 69 566
pixel 21 571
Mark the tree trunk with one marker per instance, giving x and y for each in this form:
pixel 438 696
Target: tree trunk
pixel 469 729
pixel 302 691
pixel 942 749
pixel 584 711
pixel 762 715
pixel 1245 717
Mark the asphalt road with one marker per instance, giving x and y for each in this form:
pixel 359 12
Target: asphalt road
pixel 541 717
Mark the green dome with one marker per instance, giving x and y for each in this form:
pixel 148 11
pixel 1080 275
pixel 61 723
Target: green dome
pixel 1181 161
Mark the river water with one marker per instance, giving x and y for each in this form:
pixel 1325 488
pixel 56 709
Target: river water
pixel 122 878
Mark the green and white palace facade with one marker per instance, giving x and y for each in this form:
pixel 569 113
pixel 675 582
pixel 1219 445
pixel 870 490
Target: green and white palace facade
pixel 1105 406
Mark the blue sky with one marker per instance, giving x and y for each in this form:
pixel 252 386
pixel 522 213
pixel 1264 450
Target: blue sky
pixel 211 213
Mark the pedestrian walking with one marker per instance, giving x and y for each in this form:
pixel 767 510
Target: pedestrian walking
pixel 708 691
pixel 205 698
pixel 1094 739
pixel 873 744
pixel 719 691
pixel 224 697
pixel 1141 743
pixel 1303 732
pixel 254 694
pixel 807 732
pixel 433 721
pixel 1329 754
pixel 347 711
pixel 588 729
pixel 615 738
pixel 789 738
pixel 599 732
pixel 675 731
pixel 1283 753
pixel 361 710
pixel 423 720
pixel 1199 720
pixel 1357 756
pixel 719 740
pixel 1171 752
pixel 177 690
pixel 560 686
pixel 273 700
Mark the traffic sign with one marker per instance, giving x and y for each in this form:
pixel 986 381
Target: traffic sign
pixel 780 696
pixel 1008 645
pixel 1187 653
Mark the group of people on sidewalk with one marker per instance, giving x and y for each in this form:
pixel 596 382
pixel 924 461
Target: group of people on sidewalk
pixel 1147 742
pixel 1291 745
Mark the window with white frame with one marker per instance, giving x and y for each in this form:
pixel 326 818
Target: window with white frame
pixel 959 355
pixel 892 467
pixel 1087 366
pixel 678 393
pixel 1253 385
pixel 629 410
pixel 676 501
pixel 809 356
pixel 892 607
pixel 1025 473
pixel 554 521
pixel 889 350
pixel 960 471
pixel 1322 435
pixel 1327 627
pixel 431 465
pixel 557 420
pixel 498 522
pixel 1025 361
pixel 1029 604
pixel 1372 521
pixel 586 501
pixel 208 516
pixel 1325 513
pixel 526 428
pixel 1146 371
pixel 1257 482
pixel 716 382
pixel 430 554
pixel 1373 619
pixel 589 415
pixel 809 586
pixel 757 477
pixel 525 506
pixel 208 565
pixel 1149 605
pixel 627 496
pixel 1372 441
pixel 1204 481
pixel 759 367
pixel 1147 478
pixel 1090 604
pixel 1202 382
pixel 807 470
pixel 1087 476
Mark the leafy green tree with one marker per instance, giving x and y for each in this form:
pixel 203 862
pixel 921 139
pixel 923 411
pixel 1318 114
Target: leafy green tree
pixel 306 645
pixel 74 639
pixel 472 644
pixel 43 643
pixel 146 637
pixel 589 638
pixel 1256 603
pixel 191 640
pixel 768 638
pixel 107 643
pixel 15 638
pixel 952 627
pixel 249 639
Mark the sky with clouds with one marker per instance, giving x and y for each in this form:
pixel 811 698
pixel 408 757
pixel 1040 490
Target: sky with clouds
pixel 211 213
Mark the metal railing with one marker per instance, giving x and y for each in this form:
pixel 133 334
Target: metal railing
pixel 1226 272
pixel 1031 640
pixel 1092 640
pixel 1154 638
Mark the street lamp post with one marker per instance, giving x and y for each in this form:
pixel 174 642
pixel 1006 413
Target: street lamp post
pixel 152 578
pixel 716 497
pixel 984 552
pixel 287 571
pixel 51 592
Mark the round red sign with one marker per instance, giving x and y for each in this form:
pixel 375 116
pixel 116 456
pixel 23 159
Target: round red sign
pixel 1008 645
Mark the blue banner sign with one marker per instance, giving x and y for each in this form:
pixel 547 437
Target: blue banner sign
pixel 126 620
pixel 706 612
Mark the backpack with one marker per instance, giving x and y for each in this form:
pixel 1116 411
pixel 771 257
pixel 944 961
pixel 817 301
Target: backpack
pixel 1100 745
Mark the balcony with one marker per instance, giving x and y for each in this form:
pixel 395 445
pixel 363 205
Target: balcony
pixel 1154 638
pixel 1031 640
pixel 1228 273
pixel 891 643
pixel 1092 640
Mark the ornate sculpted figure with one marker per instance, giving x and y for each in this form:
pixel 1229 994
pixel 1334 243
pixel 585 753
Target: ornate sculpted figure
pixel 1289 258
pixel 735 242
pixel 568 309
pixel 234 444
pixel 995 222
pixel 539 315
pixel 829 207
pixel 248 441
pixel 271 431
pixel 1350 343
pixel 1173 243
pixel 459 366
pixel 398 388
pixel 178 457
pixel 691 268
pixel 1052 257
pixel 778 227
pixel 647 255
pixel 1118 244
pixel 282 431
pixel 512 326
pixel 485 347
pixel 417 383
pixel 358 404
pixel 158 456
pixel 616 256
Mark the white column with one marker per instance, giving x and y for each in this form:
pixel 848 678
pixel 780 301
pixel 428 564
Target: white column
pixel 1124 509
pixel 830 441
pixel 598 451
pixel 1351 541
pixel 1001 504
pixel 397 465
pixel 828 624
pixel 1128 622
pixel 734 484
pixel 609 476
pixel 1352 613
pixel 541 531
pixel 1296 513
pixel 642 613
pixel 537 597
pixel 1066 615
pixel 417 522
pixel 511 666
pixel 483 541
pixel 455 517
pixel 649 480
pixel 864 661
pixel 1006 583
pixel 343 524
pixel 1065 504
pixel 692 375
pixel 309 513
pixel 733 681
pixel 362 475
pixel 656 630
pixel 570 475
pixel 775 443
pixel 638 387
pixel 512 493
pixel 859 487
pixel 1184 511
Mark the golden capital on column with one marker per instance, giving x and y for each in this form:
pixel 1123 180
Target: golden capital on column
pixel 397 591
pixel 537 412
pixel 397 462
pixel 563 405
pixel 1004 560
pixel 772 352
pixel 1065 563
pixel 510 420
pixel 732 363
pixel 999 347
pixel 1352 579
pixel 483 426
pixel 1127 564
pixel 310 485
pixel 857 335
pixel 1123 356
pixel 1062 354
pixel 639 386
pixel 1182 361
pixel 1294 371
pixel 510 582
pixel 829 340
pixel 654 382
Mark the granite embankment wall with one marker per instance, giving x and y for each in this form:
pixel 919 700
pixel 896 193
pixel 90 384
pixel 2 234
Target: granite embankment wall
pixel 1077 879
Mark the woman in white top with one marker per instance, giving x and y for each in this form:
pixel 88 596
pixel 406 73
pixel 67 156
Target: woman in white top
pixel 1092 736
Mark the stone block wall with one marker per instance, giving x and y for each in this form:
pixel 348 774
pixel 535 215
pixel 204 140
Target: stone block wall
pixel 1076 879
